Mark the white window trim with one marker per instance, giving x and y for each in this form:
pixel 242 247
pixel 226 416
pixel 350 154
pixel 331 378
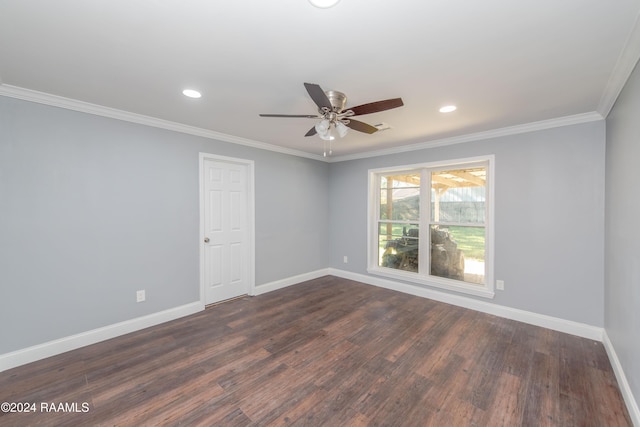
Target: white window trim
pixel 487 290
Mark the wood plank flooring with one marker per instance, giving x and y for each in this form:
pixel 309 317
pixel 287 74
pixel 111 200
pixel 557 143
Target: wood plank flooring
pixel 327 352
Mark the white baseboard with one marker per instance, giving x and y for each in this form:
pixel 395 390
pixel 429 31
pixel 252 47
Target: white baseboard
pixel 625 389
pixel 549 322
pixel 293 280
pixel 52 348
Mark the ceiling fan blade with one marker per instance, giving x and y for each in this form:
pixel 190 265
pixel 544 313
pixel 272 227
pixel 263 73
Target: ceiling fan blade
pixel 311 132
pixel 306 116
pixel 374 107
pixel 317 94
pixel 361 126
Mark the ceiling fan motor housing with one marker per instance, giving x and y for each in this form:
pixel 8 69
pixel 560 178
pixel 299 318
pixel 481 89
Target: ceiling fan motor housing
pixel 337 99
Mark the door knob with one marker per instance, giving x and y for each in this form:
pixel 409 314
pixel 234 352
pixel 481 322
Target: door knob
pixel 206 240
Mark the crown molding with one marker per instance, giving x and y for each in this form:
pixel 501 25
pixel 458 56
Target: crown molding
pixel 99 110
pixel 113 113
pixel 621 71
pixel 478 136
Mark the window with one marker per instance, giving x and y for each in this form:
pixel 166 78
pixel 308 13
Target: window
pixel 450 203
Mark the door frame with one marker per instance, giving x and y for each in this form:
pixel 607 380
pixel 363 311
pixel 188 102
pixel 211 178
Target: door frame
pixel 250 217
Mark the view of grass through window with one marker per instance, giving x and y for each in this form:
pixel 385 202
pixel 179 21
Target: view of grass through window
pixel 470 240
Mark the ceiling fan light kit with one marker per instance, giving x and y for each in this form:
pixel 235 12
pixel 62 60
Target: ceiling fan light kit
pixel 334 119
pixel 342 129
pixel 323 128
pixel 326 130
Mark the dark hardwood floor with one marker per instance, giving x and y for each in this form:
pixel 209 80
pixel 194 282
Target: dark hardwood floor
pixel 328 352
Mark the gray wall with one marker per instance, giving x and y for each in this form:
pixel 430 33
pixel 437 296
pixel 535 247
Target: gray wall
pixel 549 219
pixel 93 209
pixel 622 259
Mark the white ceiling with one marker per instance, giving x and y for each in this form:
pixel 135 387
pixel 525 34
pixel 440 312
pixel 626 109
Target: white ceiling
pixel 502 62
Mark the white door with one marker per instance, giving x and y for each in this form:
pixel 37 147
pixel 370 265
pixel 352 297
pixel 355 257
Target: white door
pixel 227 233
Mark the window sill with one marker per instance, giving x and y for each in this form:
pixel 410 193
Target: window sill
pixel 434 282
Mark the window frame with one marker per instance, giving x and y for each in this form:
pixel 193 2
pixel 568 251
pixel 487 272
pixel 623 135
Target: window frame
pixel 423 277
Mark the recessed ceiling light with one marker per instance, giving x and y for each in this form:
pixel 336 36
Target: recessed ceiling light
pixel 448 108
pixel 324 4
pixel 191 93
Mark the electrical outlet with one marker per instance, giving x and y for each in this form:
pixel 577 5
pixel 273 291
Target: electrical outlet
pixel 500 285
pixel 345 259
pixel 140 296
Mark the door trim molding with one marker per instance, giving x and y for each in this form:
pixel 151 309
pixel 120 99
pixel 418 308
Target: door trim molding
pixel 250 216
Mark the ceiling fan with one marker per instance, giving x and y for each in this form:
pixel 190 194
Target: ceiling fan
pixel 334 118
